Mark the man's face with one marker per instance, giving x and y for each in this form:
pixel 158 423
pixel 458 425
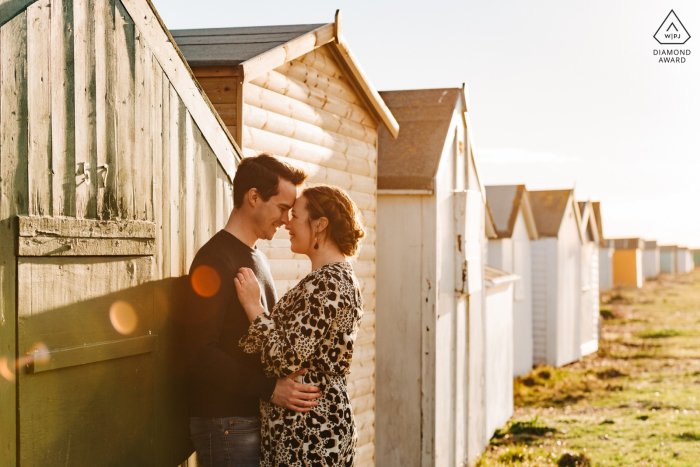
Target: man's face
pixel 272 214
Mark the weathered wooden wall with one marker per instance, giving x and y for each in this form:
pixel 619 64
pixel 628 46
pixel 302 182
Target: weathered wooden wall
pixel 308 112
pixel 79 84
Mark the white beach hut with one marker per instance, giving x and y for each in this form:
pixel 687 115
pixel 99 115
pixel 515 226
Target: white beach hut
pixel 590 278
pixel 431 238
pixel 684 260
pixel 556 278
pixel 510 251
pixel 605 252
pixel 651 259
pixel 500 326
pixel 667 258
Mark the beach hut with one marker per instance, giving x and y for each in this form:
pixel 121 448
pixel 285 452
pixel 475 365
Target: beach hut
pixel 627 262
pixel 605 255
pixel 668 259
pixel 430 261
pixel 696 258
pixel 651 259
pixel 556 278
pixel 299 92
pixel 510 251
pixel 684 260
pixel 500 327
pixel 590 278
pixel 114 170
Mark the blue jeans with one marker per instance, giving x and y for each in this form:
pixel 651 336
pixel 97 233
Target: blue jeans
pixel 226 442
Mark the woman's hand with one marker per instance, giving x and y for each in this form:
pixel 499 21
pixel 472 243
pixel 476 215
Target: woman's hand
pixel 248 290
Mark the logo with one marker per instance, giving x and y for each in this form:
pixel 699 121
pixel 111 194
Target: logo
pixel 672 31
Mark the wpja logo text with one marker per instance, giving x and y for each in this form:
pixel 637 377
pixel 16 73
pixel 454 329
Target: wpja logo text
pixel 672 32
pixel 672 55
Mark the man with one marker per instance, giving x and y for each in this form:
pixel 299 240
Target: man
pixel 225 384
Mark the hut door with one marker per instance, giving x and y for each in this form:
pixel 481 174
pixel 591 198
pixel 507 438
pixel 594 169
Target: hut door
pixel 86 341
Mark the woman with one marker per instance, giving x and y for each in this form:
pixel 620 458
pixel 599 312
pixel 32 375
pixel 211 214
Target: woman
pixel 314 327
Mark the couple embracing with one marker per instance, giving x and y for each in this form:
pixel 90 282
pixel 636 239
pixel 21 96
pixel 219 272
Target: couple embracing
pixel 267 378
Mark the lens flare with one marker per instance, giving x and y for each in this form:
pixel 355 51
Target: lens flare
pixel 39 353
pixel 123 317
pixel 205 281
pixel 5 370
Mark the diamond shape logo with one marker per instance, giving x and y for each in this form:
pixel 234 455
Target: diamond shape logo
pixel 672 31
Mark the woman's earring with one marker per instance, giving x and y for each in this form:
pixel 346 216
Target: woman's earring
pixel 316 245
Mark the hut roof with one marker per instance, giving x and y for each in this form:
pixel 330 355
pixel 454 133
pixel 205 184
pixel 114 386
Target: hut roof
pixel 548 208
pixel 588 221
pixel 628 243
pixel 494 276
pixel 650 245
pixel 505 202
pixel 257 50
pixel 666 248
pixel 410 162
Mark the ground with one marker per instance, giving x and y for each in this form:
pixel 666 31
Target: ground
pixel 633 403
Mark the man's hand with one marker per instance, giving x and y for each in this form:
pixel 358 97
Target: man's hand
pixel 295 396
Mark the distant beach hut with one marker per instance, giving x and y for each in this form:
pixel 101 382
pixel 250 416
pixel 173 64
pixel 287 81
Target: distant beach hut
pixel 510 251
pixel 556 278
pixel 499 327
pixel 605 254
pixel 668 259
pixel 696 258
pixel 430 285
pixel 627 262
pixel 300 93
pixel 684 260
pixel 590 278
pixel 651 259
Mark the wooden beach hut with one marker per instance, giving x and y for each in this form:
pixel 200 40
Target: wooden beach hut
pixel 605 263
pixel 651 259
pixel 696 258
pixel 510 251
pixel 299 92
pixel 430 261
pixel 684 260
pixel 627 262
pixel 556 278
pixel 668 259
pixel 498 355
pixel 114 170
pixel 590 278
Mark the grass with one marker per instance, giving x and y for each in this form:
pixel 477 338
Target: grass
pixel 634 403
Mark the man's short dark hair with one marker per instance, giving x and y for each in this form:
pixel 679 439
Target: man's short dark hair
pixel 263 173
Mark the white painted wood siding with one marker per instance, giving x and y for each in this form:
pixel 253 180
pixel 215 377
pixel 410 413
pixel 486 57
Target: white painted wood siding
pixel 651 263
pixel 606 268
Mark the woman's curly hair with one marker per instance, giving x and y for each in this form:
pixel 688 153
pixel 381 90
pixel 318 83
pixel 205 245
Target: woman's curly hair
pixel 345 226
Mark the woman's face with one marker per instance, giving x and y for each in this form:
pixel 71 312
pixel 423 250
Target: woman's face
pixel 300 232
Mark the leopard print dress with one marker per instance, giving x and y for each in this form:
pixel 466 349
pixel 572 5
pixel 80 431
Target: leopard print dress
pixel 313 326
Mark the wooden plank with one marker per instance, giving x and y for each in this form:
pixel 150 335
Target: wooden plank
pixel 360 387
pixel 318 79
pixel 360 157
pixel 62 108
pixel 14 199
pixel 214 71
pixel 11 8
pixel 228 113
pixel 124 44
pixel 365 453
pixel 105 81
pixel 177 146
pixel 270 60
pixel 157 167
pixel 140 157
pixel 187 205
pixel 85 109
pixel 303 112
pixel 175 67
pixel 65 246
pixel 314 159
pixel 167 157
pixel 219 90
pixel 39 107
pixel 363 404
pixel 91 353
pixel 204 165
pixel 287 86
pixel 84 228
pixel 348 59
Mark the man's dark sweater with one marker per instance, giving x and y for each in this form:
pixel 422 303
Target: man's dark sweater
pixel 223 381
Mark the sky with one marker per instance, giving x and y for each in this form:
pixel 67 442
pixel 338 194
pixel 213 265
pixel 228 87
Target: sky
pixel 561 94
